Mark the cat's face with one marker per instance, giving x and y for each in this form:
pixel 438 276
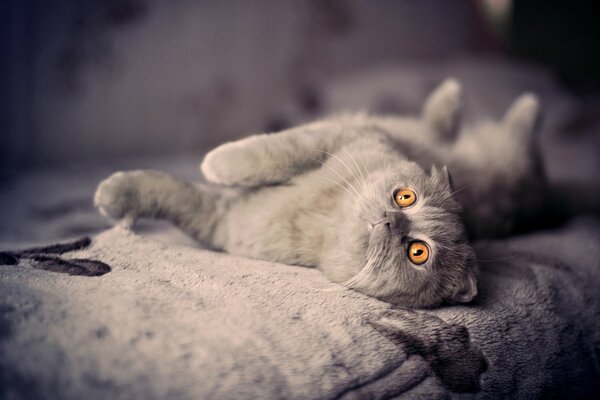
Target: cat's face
pixel 406 233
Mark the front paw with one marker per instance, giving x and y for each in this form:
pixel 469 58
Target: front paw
pixel 232 164
pixel 117 197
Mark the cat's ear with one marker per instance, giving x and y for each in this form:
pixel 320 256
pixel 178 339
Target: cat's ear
pixel 443 107
pixel 448 178
pixel 522 117
pixel 467 290
pixel 442 176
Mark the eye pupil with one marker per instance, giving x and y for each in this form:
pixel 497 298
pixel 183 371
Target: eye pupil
pixel 404 197
pixel 418 252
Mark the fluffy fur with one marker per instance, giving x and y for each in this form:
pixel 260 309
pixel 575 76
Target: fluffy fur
pixel 321 195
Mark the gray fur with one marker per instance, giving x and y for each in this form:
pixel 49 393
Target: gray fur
pixel 321 195
pixel 498 171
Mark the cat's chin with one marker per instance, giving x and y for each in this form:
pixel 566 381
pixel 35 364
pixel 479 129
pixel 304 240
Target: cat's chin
pixel 381 238
pixel 338 267
pixel 380 233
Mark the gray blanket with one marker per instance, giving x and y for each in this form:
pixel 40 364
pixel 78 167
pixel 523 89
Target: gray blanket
pixel 178 322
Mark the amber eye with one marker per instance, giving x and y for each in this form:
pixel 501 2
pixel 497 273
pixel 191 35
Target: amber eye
pixel 405 197
pixel 418 252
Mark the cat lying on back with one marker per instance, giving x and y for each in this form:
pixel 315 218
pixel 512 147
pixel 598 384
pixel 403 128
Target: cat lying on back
pixel 368 200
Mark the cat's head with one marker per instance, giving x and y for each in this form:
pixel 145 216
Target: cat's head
pixel 404 241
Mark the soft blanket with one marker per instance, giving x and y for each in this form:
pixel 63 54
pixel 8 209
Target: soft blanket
pixel 179 322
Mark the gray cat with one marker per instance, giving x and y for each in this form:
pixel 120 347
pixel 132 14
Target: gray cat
pixel 368 200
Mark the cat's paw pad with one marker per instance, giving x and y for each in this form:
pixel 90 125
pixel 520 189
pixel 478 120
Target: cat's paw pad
pixel 230 164
pixel 117 197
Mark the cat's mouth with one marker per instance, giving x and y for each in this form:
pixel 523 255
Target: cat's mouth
pixel 380 233
pixel 371 225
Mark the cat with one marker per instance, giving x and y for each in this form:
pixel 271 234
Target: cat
pixel 368 200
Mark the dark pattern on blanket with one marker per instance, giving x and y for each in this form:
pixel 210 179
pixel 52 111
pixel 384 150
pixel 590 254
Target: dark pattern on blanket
pixel 445 347
pixel 45 258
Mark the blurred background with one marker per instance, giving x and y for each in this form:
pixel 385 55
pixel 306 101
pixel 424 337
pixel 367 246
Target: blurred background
pixel 95 85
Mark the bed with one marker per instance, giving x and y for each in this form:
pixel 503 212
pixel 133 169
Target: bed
pixel 150 314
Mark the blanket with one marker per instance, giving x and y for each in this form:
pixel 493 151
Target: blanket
pixel 175 321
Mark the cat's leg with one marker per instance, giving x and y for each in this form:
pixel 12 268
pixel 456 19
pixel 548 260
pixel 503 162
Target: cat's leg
pixel 274 158
pixel 130 195
pixel 497 172
pixel 442 109
pixel 435 130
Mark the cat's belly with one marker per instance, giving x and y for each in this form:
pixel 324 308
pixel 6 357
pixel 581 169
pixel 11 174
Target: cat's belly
pixel 285 224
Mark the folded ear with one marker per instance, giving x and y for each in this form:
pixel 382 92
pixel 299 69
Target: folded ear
pixel 443 176
pixel 467 291
pixel 443 107
pixel 523 115
pixel 448 178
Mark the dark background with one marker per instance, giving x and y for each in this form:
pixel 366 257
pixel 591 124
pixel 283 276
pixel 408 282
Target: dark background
pixel 101 79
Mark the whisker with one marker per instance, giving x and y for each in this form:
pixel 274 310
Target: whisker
pixel 338 174
pixel 341 162
pixel 362 162
pixel 337 158
pixel 466 187
pixel 341 186
pixel 360 173
pixel 352 194
pixel 357 280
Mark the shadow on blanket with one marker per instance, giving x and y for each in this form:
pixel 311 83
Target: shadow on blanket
pixel 446 347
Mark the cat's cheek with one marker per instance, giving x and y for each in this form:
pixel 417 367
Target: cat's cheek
pixel 338 269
